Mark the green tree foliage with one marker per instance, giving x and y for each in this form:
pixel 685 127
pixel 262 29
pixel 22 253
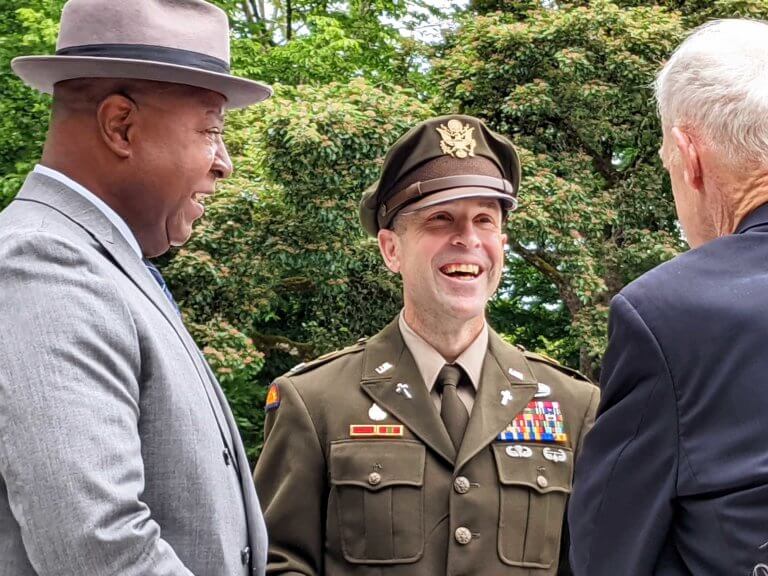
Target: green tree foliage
pixel 28 27
pixel 571 86
pixel 570 83
pixel 280 263
pixel 279 270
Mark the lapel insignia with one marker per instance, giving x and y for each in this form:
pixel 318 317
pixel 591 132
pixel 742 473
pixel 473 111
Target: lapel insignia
pixel 542 391
pixel 375 430
pixel 404 390
pixel 554 454
pixel 383 368
pixel 376 414
pixel 506 397
pixel 456 139
pixel 540 421
pixel 273 397
pixel 518 451
pixel 516 374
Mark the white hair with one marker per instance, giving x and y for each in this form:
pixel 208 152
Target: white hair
pixel 716 86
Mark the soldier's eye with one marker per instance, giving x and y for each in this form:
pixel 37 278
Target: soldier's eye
pixel 486 219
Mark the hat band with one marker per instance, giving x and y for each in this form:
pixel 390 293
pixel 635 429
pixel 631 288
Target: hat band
pixel 150 54
pixel 420 189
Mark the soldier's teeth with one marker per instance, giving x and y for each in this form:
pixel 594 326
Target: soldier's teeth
pixel 472 269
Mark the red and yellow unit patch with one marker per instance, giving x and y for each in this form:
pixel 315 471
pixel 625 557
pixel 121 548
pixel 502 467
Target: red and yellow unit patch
pixel 375 430
pixel 273 397
pixel 540 421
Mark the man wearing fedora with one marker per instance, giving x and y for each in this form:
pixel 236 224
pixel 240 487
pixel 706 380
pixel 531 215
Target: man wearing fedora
pixel 118 452
pixel 434 447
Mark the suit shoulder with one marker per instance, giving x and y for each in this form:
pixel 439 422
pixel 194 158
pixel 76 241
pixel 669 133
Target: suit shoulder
pixel 326 359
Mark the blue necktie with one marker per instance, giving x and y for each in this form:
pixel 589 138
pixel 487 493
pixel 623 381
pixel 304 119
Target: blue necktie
pixel 161 282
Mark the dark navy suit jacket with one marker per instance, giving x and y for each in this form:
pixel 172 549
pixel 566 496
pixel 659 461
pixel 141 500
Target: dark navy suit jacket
pixel 673 478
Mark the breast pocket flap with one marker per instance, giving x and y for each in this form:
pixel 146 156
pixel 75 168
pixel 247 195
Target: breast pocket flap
pixel 377 464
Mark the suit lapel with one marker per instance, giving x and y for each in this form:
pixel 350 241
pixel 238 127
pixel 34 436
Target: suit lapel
pixel 412 405
pixel 41 189
pixel 52 193
pixel 506 387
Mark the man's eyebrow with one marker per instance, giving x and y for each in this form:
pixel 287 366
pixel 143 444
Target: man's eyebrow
pixel 216 114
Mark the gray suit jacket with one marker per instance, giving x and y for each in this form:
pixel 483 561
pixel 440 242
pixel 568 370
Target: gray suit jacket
pixel 118 452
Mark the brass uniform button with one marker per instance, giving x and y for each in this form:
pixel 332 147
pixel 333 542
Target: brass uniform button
pixel 461 485
pixel 542 482
pixel 374 478
pixel 463 535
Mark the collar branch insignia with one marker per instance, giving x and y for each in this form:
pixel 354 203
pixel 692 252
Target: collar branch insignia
pixel 456 139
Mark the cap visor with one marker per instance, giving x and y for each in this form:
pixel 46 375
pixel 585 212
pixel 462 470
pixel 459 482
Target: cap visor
pixel 42 72
pixel 509 202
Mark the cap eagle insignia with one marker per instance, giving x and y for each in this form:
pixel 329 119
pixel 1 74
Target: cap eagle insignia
pixel 456 139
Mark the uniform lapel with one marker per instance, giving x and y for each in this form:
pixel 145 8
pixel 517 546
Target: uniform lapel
pixel 412 405
pixel 506 387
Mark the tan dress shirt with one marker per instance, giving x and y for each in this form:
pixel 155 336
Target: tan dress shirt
pixel 430 362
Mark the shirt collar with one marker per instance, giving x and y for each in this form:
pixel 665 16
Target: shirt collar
pixel 430 361
pixel 111 215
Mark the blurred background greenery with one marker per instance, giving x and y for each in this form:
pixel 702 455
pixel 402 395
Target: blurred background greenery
pixel 279 271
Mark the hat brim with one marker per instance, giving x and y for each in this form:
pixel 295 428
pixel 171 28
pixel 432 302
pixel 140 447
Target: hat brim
pixel 508 202
pixel 43 72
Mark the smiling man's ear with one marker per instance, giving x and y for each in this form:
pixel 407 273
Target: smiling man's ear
pixel 389 246
pixel 116 117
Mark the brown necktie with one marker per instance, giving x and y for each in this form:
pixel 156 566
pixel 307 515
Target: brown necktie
pixel 452 410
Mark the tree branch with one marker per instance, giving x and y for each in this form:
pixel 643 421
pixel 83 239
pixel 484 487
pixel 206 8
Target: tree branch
pixel 288 17
pixel 603 166
pixel 538 261
pixel 267 342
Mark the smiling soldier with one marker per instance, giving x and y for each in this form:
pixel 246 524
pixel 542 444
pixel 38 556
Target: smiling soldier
pixel 433 447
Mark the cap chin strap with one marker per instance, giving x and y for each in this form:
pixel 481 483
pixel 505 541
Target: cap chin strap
pixel 420 189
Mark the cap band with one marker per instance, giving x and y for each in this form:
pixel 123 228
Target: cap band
pixel 149 53
pixel 420 189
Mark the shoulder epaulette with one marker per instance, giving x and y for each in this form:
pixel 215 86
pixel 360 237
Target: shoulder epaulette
pixel 539 357
pixel 325 358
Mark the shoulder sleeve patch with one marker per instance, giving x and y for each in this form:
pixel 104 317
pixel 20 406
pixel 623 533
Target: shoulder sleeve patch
pixel 358 346
pixel 273 397
pixel 538 357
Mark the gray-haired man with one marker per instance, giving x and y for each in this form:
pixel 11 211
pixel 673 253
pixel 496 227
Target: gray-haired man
pixel 673 479
pixel 118 451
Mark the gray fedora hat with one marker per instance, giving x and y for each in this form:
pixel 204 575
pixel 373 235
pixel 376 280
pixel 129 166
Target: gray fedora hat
pixel 176 41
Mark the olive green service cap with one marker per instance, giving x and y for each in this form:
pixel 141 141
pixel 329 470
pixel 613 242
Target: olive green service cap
pixel 442 159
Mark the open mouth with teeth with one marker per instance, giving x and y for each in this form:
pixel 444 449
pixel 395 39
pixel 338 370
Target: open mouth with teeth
pixel 461 271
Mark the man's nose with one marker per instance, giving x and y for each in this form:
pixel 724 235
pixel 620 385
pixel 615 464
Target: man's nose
pixel 222 163
pixel 466 234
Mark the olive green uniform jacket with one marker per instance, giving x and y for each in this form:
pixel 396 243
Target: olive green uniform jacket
pixel 340 505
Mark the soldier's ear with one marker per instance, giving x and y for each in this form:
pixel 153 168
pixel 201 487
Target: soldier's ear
pixel 390 249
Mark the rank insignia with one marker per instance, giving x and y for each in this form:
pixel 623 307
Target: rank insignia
pixel 375 430
pixel 273 397
pixel 540 421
